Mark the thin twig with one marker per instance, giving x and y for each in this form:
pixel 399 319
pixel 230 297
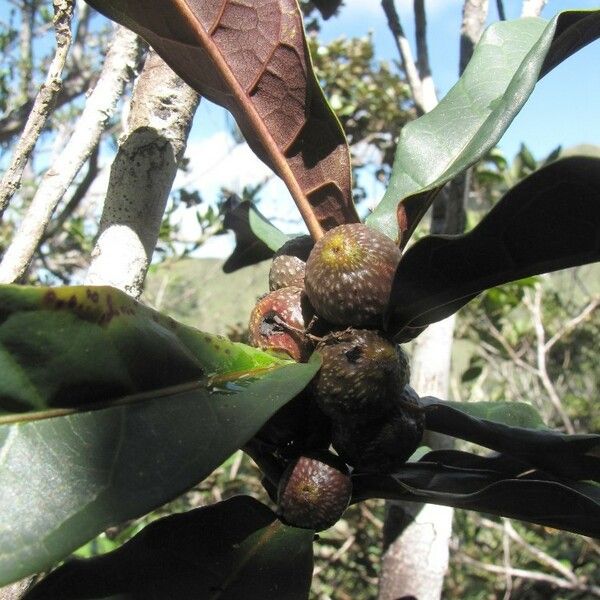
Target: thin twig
pixel 428 94
pixel 501 12
pixel 532 575
pixel 118 70
pixel 337 554
pixel 78 195
pixel 43 105
pixel 584 315
pixel 406 57
pixel 535 308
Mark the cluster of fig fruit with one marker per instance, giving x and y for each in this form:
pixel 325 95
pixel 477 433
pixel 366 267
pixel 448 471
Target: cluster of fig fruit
pixel 330 298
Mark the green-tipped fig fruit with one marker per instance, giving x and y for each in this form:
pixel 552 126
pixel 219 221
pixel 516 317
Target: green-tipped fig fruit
pixel 349 275
pixel 289 263
pixel 278 321
pixel 361 374
pixel 382 445
pixel 314 491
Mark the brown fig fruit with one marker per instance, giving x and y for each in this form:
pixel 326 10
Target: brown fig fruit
pixel 382 445
pixel 349 275
pixel 314 491
pixel 360 374
pixel 278 321
pixel 289 263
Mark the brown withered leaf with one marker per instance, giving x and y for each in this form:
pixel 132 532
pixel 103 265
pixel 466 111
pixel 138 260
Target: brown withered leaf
pixel 251 57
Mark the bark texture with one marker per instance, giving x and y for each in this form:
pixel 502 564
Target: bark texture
pixel 162 109
pixel 118 70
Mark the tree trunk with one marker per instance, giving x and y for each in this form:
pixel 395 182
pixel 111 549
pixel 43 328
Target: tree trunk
pixel 416 536
pixel 162 109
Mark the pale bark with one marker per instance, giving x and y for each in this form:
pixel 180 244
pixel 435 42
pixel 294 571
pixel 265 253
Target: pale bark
pixel 417 536
pixel 416 558
pixel 533 8
pixel 162 109
pixel 118 70
pixel 406 57
pixel 42 106
pixel 473 22
pixel 428 94
pixel 16 590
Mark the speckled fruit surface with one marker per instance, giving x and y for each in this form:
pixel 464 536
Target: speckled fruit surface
pixel 360 376
pixel 314 492
pixel 384 444
pixel 349 275
pixel 278 320
pixel 289 263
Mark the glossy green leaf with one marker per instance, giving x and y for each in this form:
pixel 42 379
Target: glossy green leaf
pixel 255 238
pixel 549 221
pixel 506 64
pixel 76 346
pixel 516 432
pixel 67 478
pixel 531 496
pixel 235 549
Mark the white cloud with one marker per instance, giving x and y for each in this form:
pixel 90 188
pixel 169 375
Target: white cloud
pixel 217 162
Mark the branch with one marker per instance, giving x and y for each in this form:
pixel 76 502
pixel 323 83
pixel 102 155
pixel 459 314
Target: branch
pixel 472 26
pixel 535 308
pixel 532 8
pixel 501 12
pixel 524 574
pixel 584 315
pixel 538 554
pixel 142 174
pixel 406 58
pixel 118 69
pixel 78 195
pixel 73 85
pixel 43 104
pixel 429 96
pixel 18 589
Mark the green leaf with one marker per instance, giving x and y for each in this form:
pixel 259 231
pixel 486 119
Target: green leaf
pixel 233 549
pixel 531 496
pixel 506 64
pixel 77 346
pixel 549 221
pixel 513 414
pixel 255 238
pixel 66 479
pixel 518 432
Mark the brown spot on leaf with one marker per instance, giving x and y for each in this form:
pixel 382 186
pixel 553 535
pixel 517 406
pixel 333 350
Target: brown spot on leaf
pixel 49 297
pixel 92 295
